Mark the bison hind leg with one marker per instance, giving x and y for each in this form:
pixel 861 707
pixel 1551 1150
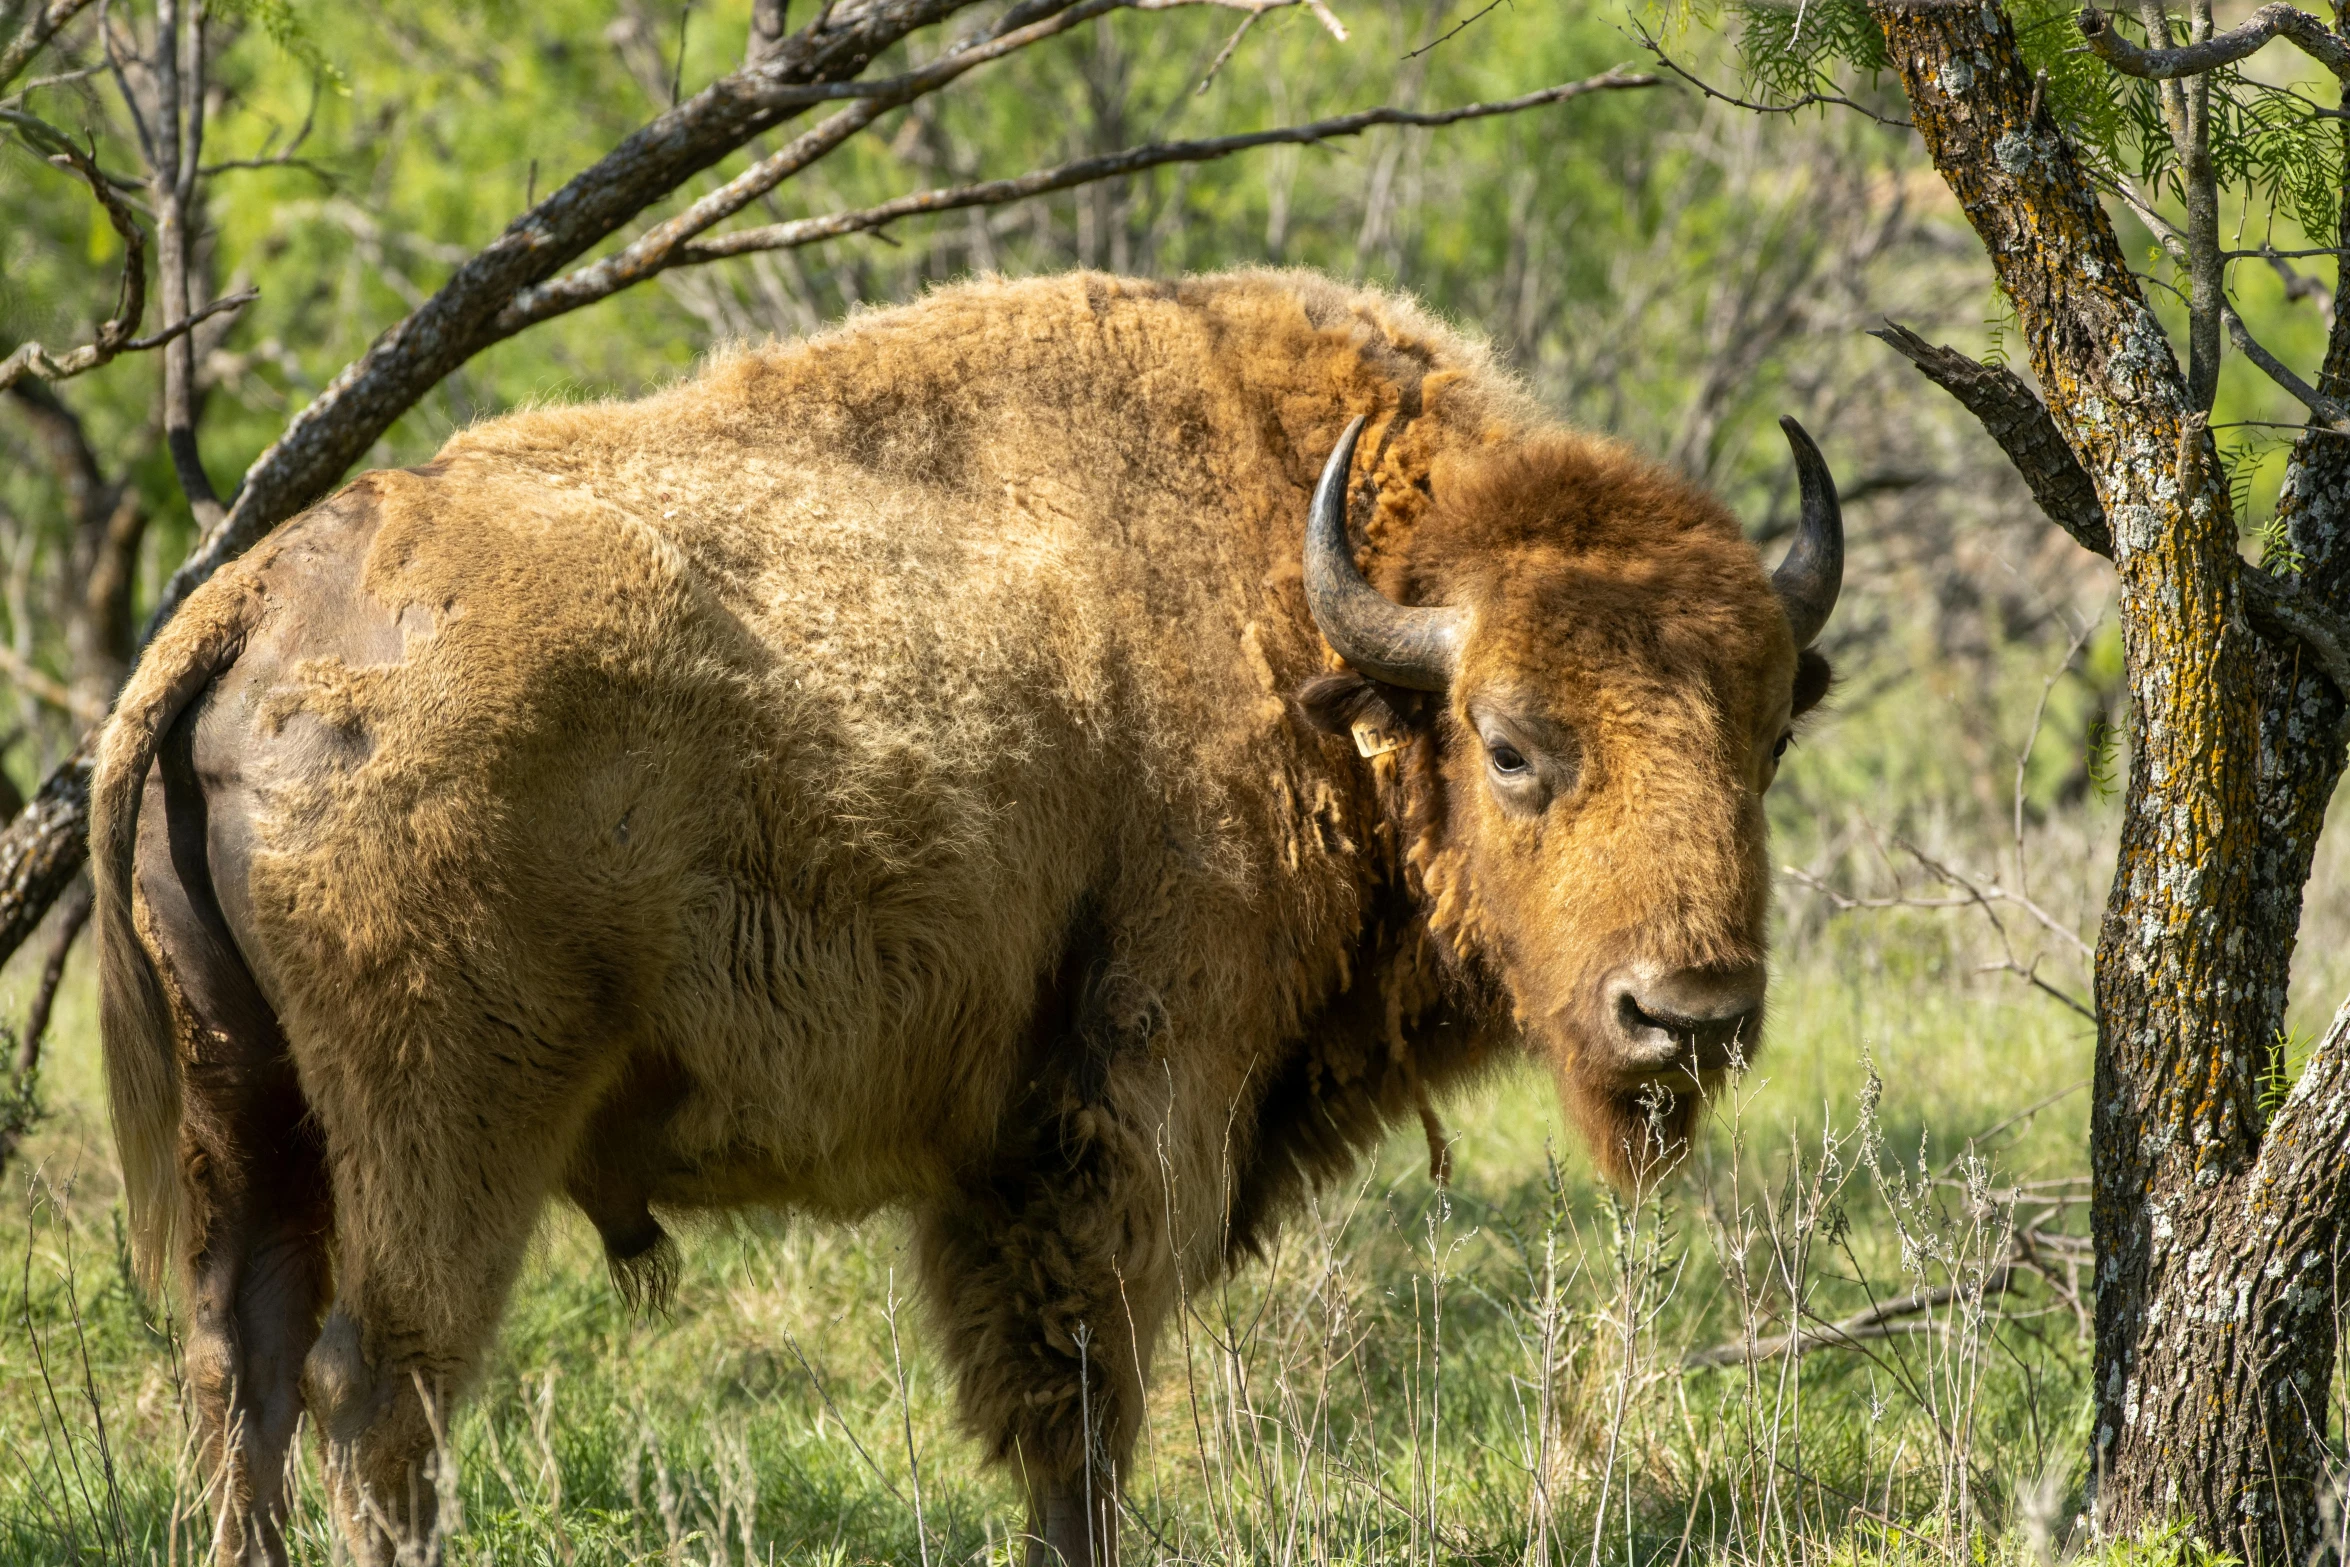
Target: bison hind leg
pixel 256 1199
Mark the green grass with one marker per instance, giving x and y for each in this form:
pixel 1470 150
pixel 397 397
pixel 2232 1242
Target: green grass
pixel 1376 1391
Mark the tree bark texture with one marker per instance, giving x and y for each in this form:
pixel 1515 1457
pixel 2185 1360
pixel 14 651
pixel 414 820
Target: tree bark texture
pixel 2215 1232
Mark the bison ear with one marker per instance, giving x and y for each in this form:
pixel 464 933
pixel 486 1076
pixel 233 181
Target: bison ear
pixel 1346 704
pixel 1813 677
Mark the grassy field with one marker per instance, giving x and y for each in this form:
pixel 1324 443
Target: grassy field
pixel 1520 1368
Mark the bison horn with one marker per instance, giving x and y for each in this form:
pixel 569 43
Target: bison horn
pixel 1414 648
pixel 1808 579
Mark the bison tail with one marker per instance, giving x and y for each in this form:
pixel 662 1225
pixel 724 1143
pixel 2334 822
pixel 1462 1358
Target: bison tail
pixel 134 1013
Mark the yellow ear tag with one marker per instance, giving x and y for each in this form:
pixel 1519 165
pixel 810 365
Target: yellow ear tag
pixel 1372 740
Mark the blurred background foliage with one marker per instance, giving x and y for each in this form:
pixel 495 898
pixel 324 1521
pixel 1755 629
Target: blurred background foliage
pixel 1672 271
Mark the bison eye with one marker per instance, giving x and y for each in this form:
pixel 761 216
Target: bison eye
pixel 1506 757
pixel 1785 741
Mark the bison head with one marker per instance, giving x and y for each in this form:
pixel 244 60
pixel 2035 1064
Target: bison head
pixel 1595 688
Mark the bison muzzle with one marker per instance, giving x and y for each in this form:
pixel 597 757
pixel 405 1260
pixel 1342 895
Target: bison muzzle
pixel 919 765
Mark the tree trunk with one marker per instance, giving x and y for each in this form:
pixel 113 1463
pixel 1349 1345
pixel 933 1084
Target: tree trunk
pixel 2215 1233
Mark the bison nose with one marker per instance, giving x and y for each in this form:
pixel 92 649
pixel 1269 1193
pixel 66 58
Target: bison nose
pixel 1674 1021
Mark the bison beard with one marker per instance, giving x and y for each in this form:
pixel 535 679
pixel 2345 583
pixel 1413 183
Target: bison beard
pixel 918 766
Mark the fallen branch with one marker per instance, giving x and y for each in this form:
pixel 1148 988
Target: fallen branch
pixel 1881 1321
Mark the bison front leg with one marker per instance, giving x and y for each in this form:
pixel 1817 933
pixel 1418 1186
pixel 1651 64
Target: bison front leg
pixel 1049 1279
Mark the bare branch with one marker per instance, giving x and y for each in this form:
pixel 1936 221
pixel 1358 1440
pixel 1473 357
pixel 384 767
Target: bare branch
pixel 807 231
pixel 1466 23
pixel 2027 433
pixel 1225 54
pixel 34 36
pixel 657 248
pixel 2306 32
pixel 130 307
pixel 2017 420
pixel 221 306
pixel 1792 106
pixel 2330 413
pixel 1972 895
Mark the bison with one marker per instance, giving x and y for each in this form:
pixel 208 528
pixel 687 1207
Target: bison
pixel 919 765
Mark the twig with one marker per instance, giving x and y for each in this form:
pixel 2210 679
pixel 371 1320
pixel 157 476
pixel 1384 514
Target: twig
pixel 1792 106
pixel 2030 975
pixel 1225 53
pixel 1457 31
pixel 114 335
pixel 808 231
pixel 840 1420
pixel 225 303
pixel 658 248
pixel 1973 896
pixel 2296 26
pixel 2334 415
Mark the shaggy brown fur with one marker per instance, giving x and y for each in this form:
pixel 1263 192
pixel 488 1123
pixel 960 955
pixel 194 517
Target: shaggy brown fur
pixel 869 773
